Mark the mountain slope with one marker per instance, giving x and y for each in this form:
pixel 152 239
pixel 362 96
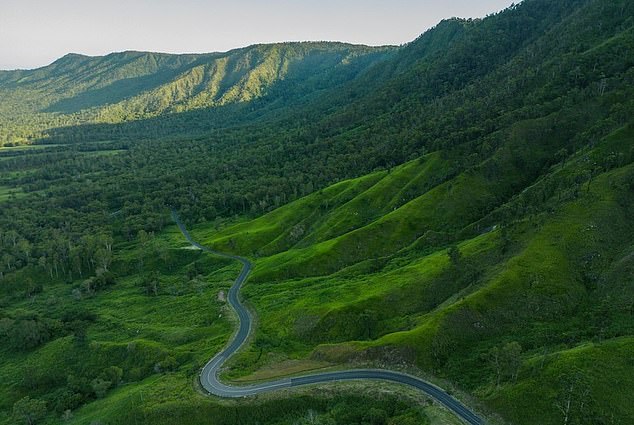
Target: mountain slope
pixel 133 85
pixel 539 280
pixel 460 207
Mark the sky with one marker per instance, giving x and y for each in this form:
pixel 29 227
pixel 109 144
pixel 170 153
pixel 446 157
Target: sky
pixel 34 33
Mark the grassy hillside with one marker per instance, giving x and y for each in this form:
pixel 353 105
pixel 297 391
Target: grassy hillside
pixel 131 349
pixel 515 308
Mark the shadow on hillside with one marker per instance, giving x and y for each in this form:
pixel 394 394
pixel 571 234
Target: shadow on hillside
pixel 184 124
pixel 110 94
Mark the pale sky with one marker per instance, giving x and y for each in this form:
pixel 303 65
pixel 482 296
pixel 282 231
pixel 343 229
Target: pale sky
pixel 34 33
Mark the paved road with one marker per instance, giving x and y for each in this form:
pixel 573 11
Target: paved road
pixel 209 374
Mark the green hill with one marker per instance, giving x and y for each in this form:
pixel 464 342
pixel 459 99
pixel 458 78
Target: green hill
pixel 459 207
pixel 134 85
pixel 548 277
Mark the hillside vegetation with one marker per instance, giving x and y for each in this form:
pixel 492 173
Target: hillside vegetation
pixel 511 299
pixel 458 208
pixel 129 86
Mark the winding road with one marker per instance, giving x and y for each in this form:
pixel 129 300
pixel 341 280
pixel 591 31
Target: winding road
pixel 209 374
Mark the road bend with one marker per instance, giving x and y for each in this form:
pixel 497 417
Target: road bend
pixel 210 372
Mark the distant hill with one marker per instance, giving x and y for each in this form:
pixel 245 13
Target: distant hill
pixel 129 86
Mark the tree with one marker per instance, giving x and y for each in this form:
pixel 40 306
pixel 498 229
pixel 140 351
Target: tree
pixel 6 325
pixel 9 261
pixel 375 416
pixel 506 361
pixel 114 374
pixel 151 283
pixel 511 360
pixel 505 239
pixel 454 255
pixel 441 347
pixel 31 288
pixel 143 238
pixel 561 156
pixel 100 387
pixel 27 334
pixel 166 365
pixel 79 328
pixel 494 359
pixel 575 401
pixel 24 248
pixel 67 415
pixel 29 410
pixel 103 258
pixel 44 264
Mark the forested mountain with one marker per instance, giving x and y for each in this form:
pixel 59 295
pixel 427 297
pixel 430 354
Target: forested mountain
pixel 129 86
pixel 459 207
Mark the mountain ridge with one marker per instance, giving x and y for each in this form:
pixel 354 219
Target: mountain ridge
pixel 133 85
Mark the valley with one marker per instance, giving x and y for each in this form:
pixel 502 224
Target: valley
pixel 455 213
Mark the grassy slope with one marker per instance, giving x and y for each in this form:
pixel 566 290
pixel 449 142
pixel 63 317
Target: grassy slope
pixel 537 282
pixel 182 326
pixel 359 230
pixel 542 281
pixel 599 368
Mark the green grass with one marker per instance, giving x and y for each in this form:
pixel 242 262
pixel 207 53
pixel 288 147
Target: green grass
pixel 7 193
pixel 24 148
pixel 597 369
pixel 170 400
pixel 133 331
pixel 286 226
pixel 332 287
pixel 357 230
pixel 553 279
pixel 136 332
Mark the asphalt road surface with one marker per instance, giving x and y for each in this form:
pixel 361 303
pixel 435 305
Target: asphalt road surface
pixel 209 374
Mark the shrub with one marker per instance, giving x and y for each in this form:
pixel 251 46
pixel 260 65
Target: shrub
pixel 29 411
